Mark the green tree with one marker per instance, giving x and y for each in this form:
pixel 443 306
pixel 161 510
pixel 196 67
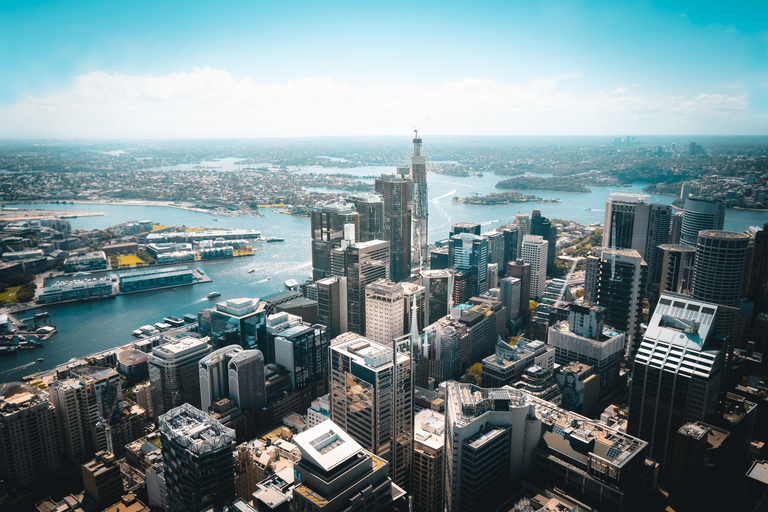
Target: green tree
pixel 474 375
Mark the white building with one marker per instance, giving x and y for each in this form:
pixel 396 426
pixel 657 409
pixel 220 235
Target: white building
pixel 384 318
pixel 534 251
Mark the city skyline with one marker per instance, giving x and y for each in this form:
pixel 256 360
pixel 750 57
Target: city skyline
pixel 249 70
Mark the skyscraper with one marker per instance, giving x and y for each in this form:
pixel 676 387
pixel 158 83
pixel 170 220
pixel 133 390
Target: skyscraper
pixel 541 226
pixel 534 251
pixel 365 262
pixel 303 350
pixel 395 190
pixel 676 268
pixel 521 270
pixel 214 378
pixel 174 375
pixel 469 254
pixel 327 229
pixel 428 461
pixel 757 290
pixel 372 399
pixel 438 290
pixel 676 373
pixel 420 203
pixel 232 372
pixel 197 451
pixel 332 304
pixel 30 446
pixel 370 209
pixel 384 307
pixel 700 214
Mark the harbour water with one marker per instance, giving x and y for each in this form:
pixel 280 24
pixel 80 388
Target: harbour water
pixel 84 328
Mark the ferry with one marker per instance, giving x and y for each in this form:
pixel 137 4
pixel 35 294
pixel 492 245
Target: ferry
pixel 173 320
pixel 39 360
pixel 82 274
pixel 213 295
pixel 252 271
pixel 270 240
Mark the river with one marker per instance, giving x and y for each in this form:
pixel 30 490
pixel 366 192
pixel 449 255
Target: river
pixel 84 328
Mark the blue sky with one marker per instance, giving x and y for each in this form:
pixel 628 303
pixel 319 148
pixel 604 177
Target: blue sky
pixel 207 69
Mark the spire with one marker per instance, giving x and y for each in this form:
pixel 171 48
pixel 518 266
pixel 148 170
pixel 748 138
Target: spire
pixel 414 323
pixel 416 143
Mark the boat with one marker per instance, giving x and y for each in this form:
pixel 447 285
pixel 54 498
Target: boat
pixel 269 278
pixel 137 333
pixel 270 240
pixel 39 360
pixel 82 274
pixel 213 295
pixel 173 320
pixel 252 271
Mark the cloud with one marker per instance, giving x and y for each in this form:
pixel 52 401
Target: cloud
pixel 212 103
pixel 620 90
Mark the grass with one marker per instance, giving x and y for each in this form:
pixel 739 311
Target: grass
pixel 9 294
pixel 158 227
pixel 129 261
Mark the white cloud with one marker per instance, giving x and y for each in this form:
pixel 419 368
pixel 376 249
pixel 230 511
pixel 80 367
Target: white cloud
pixel 212 103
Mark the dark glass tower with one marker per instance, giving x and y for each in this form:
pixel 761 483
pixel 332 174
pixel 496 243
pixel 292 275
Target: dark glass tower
pixel 395 191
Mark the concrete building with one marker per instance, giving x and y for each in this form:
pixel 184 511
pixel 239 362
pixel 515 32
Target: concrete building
pixel 332 304
pixel 337 474
pixel 496 437
pixel 676 268
pixel 174 375
pixel 364 263
pixel 233 373
pixel 319 411
pixel 395 191
pixel 507 365
pixel 676 373
pixel 197 452
pixel 372 399
pixel 700 214
pixel 542 226
pixel 384 306
pixel 438 290
pixel 534 251
pixel 102 479
pixel 90 261
pixel 446 350
pixel 428 461
pixel 30 444
pixel 510 294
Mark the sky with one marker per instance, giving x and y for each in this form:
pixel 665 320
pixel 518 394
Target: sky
pixel 194 69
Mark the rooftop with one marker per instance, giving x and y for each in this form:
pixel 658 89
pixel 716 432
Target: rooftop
pixel 681 321
pixel 429 429
pixel 194 429
pixel 326 445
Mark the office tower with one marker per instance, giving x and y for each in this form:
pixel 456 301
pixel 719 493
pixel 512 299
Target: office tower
pixel 585 338
pixel 384 311
pixel 337 474
pixel 174 375
pixel 372 399
pixel 413 291
pixel 592 274
pixel 428 461
pixel 541 226
pixel 620 286
pixel 675 268
pixel 495 437
pixel 698 468
pixel 510 295
pixel 332 304
pixel 214 375
pixel 485 321
pixel 676 373
pixel 534 251
pixel 447 350
pixel 521 270
pixel 513 239
pixel 692 148
pixel 365 263
pixel 496 249
pixel 472 228
pixel 493 276
pixel 395 191
pixel 102 479
pixel 633 223
pixel 327 224
pixel 757 289
pixel 523 220
pixel 507 365
pixel 236 322
pixel 461 287
pixel 438 290
pixel 718 274
pixel 83 403
pixel 197 452
pixel 469 254
pixel 303 350
pixel 420 203
pixel 439 258
pixel 677 226
pixel 700 214
pixel 30 445
pixel 370 209
pixel 541 383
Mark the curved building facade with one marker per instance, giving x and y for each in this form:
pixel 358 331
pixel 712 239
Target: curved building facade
pixel 721 259
pixel 699 215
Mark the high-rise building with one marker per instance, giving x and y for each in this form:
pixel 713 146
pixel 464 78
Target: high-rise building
pixel 303 351
pixel 336 474
pixel 438 290
pixel 521 270
pixel 234 373
pixel 677 226
pixel 676 373
pixel 585 338
pixel 395 191
pixel 534 251
pixel 510 293
pixel 620 286
pixel 496 437
pixel 237 322
pixel 372 399
pixel 365 262
pixel 507 365
pixel 370 209
pixel 328 230
pixel 102 479
pixel 448 349
pixel 174 374
pixel 718 274
pixel 542 226
pixel 30 445
pixel 757 289
pixel 472 228
pixel 513 239
pixel 700 214
pixel 469 254
pixel 420 204
pixel 428 461
pixel 384 311
pixel 414 293
pixel 332 304
pixel 197 452
pixel 633 223
pixel 523 220
pixel 676 263
pixel 214 376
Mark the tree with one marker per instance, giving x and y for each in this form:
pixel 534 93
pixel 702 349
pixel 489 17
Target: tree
pixel 474 375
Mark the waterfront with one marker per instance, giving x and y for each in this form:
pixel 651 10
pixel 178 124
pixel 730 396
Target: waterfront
pixel 84 328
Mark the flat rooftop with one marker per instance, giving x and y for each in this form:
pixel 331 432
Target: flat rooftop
pixel 194 429
pixel 326 445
